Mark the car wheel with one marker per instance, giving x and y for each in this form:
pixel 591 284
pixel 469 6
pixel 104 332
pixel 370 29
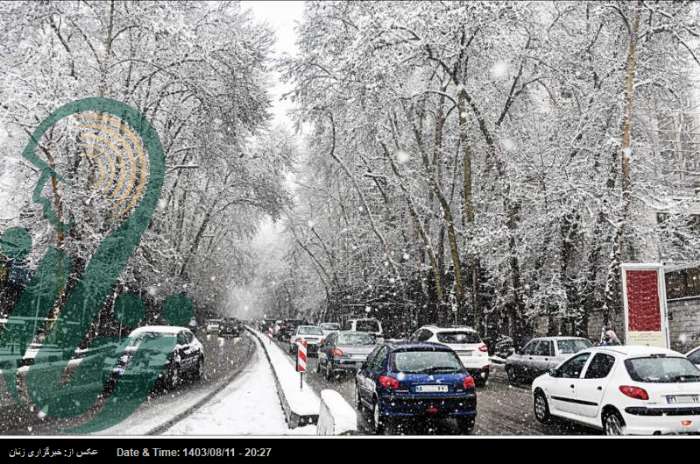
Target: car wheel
pixel 465 425
pixel 199 371
pixel 541 407
pixel 358 399
pixel 378 422
pixel 173 377
pixel 512 376
pixel 613 423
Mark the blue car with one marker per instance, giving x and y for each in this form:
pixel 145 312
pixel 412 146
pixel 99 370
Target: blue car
pixel 415 381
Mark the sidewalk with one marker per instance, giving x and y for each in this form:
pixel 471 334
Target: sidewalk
pixel 248 406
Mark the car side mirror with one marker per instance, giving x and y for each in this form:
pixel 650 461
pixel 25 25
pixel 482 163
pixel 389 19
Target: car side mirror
pixel 553 373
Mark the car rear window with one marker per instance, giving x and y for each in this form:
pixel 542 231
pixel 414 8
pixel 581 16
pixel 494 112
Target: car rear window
pixel 573 345
pixel 355 339
pixel 426 362
pixel 367 326
pixel 330 326
pixel 310 330
pixel 662 369
pixel 458 337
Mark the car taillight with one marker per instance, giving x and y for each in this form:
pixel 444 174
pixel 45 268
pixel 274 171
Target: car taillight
pixel 634 392
pixel 389 383
pixel 338 353
pixel 469 383
pixel 483 348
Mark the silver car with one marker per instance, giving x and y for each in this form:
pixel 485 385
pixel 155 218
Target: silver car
pixel 540 355
pixel 344 351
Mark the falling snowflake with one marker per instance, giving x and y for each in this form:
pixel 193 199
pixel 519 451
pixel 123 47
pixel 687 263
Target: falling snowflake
pixel 508 144
pixel 402 157
pixel 392 280
pixel 152 290
pixel 311 224
pixel 162 203
pixel 368 309
pixel 212 278
pixel 405 256
pixel 499 70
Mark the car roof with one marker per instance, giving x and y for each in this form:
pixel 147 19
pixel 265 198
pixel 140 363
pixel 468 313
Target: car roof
pixel 307 325
pixel 166 329
pixel 410 346
pixel 634 350
pixel 449 329
pixel 559 337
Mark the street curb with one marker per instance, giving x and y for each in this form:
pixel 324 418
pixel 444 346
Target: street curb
pixel 294 419
pixel 224 383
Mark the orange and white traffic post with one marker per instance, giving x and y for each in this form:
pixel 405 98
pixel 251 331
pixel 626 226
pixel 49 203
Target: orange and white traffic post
pixel 301 362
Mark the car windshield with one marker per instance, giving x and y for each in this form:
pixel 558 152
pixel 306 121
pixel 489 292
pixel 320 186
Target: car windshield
pixel 426 362
pixel 573 345
pixel 137 339
pixel 466 336
pixel 330 326
pixel 310 330
pixel 355 339
pixel 367 326
pixel 662 369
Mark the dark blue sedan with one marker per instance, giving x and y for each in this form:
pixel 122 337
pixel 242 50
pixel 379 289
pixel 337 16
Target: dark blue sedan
pixel 415 381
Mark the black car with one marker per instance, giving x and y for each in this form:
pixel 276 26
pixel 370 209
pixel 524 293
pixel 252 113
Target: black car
pixel 142 357
pixel 232 327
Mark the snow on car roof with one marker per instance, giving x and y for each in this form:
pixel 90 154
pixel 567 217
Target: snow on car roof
pixel 450 329
pixel 166 329
pixel 636 350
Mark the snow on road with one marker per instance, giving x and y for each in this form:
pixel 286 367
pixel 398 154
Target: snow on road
pixel 248 406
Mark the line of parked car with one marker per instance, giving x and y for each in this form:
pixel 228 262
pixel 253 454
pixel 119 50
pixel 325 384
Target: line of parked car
pixel 433 374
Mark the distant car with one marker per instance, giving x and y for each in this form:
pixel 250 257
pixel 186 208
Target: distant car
pixel 370 325
pixel 287 328
pixel 540 355
pixel 329 327
pixel 312 334
pixel 635 390
pixel 213 326
pixel 344 352
pixel 415 381
pixel 694 356
pixel 185 359
pixel 232 327
pixel 466 342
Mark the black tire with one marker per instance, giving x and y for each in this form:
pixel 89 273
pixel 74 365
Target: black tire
pixel 173 379
pixel 199 370
pixel 358 400
pixel 379 423
pixel 465 425
pixel 513 378
pixel 541 407
pixel 613 423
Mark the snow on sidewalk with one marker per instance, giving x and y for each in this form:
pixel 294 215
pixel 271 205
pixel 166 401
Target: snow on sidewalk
pixel 248 406
pixel 303 402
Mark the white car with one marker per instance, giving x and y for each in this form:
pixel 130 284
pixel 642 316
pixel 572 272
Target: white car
pixel 694 356
pixel 631 390
pixel 464 341
pixel 369 325
pixel 329 328
pixel 311 334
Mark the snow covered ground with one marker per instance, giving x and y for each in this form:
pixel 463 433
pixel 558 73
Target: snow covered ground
pixel 248 406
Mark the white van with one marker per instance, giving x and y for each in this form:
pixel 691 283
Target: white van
pixel 368 325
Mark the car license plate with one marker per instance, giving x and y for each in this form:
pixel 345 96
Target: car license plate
pixel 465 353
pixel 431 388
pixel 683 399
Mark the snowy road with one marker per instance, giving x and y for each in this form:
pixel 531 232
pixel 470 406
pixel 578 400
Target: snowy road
pixel 502 409
pixel 248 406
